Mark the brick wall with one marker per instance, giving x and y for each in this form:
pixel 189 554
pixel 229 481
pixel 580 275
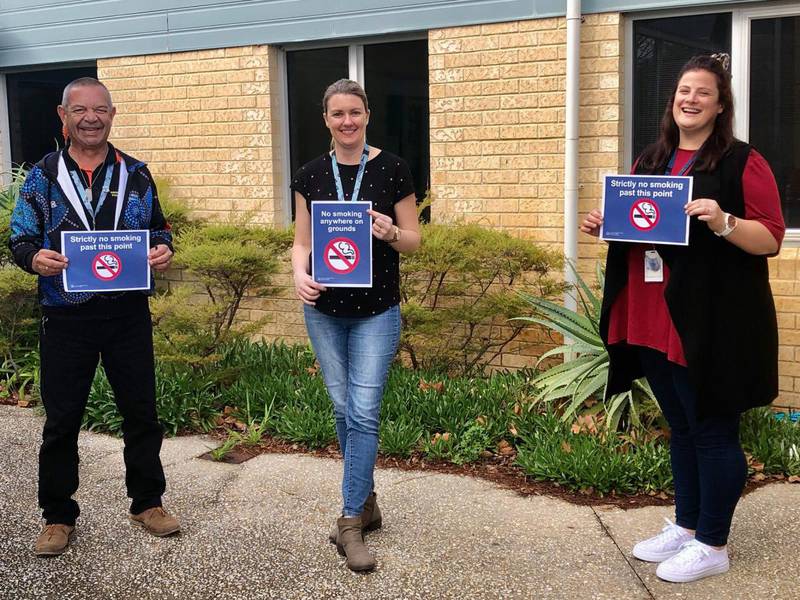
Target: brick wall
pixel 785 280
pixel 204 120
pixel 497 130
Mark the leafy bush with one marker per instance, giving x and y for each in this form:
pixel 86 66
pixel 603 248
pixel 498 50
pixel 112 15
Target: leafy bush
pixel 184 402
pixel 458 293
pixel 231 261
pixel 19 308
pixel 577 386
pixel 774 444
pixel 550 451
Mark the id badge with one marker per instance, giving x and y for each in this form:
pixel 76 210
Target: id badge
pixel 653 267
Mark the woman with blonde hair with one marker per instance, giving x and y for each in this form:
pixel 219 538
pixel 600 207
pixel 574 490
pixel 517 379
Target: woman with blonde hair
pixel 355 331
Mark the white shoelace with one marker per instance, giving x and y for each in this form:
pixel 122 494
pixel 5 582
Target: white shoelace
pixel 691 552
pixel 671 531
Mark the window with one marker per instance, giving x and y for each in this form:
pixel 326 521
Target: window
pixel 775 104
pixel 660 49
pixel 34 126
pixel 395 77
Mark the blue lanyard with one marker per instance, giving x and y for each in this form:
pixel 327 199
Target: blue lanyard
pixel 82 193
pixel 362 166
pixel 685 167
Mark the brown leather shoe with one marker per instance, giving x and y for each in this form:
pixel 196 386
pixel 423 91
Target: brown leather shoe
pixel 157 521
pixel 371 518
pixel 54 539
pixel 350 543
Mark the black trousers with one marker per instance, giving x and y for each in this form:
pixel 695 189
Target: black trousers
pixel 70 349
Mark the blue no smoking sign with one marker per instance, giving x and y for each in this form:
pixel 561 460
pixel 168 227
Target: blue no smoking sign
pixel 341 240
pixel 106 261
pixel 646 208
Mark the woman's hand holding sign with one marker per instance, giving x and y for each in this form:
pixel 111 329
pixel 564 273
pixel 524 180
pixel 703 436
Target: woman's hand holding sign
pixel 591 222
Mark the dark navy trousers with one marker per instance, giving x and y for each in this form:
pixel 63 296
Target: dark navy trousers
pixel 708 465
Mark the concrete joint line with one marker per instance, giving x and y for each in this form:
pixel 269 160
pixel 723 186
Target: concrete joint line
pixel 407 479
pixel 622 553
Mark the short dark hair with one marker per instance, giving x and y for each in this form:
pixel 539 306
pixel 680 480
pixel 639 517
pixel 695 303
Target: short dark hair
pixel 83 82
pixel 721 138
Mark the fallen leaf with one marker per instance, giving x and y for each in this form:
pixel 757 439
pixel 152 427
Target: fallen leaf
pixel 517 408
pixel 576 429
pixel 24 403
pixel 794 479
pixel 663 496
pixel 311 371
pixel 566 447
pixel 512 430
pixel 437 386
pixel 759 477
pixel 758 467
pixel 504 448
pixel 481 420
pixel 228 410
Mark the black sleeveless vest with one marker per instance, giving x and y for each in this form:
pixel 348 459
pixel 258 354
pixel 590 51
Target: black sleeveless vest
pixel 719 299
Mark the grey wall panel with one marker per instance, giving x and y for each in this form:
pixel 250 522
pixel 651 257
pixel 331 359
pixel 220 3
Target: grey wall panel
pixel 46 31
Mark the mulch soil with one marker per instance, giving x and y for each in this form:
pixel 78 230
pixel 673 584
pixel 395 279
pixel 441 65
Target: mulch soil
pixel 499 470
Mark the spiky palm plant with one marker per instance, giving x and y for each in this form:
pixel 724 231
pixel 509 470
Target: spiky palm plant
pixel 583 375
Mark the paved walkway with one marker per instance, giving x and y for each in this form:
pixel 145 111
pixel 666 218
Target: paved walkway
pixel 259 530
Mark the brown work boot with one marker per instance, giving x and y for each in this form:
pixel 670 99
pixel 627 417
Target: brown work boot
pixel 54 539
pixel 371 518
pixel 157 521
pixel 350 543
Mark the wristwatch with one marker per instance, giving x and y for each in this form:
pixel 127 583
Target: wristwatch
pixel 396 235
pixel 730 225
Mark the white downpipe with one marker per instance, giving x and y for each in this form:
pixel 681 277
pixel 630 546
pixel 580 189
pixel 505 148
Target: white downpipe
pixel 571 149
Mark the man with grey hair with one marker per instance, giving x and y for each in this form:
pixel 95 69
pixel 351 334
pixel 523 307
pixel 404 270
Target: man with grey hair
pixel 90 185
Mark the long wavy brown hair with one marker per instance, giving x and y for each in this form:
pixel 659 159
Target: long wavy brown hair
pixel 656 155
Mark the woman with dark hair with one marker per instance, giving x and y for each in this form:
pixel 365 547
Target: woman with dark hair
pixel 355 331
pixel 702 327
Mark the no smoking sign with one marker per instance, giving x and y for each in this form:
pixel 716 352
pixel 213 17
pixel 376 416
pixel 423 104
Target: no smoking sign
pixel 341 255
pixel 645 214
pixel 106 266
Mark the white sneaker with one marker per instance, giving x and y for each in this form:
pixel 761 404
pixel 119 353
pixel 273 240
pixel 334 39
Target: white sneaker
pixel 664 545
pixel 694 561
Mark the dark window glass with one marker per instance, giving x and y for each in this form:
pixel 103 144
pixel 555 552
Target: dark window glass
pixel 775 105
pixel 309 73
pixel 660 49
pixel 396 81
pixel 34 125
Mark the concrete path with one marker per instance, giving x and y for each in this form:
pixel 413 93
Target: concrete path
pixel 259 530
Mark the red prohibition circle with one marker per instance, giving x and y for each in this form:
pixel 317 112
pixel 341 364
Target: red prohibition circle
pixel 646 210
pixel 106 266
pixel 344 254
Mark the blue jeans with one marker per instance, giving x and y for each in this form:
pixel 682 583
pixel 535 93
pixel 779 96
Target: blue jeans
pixel 708 465
pixel 354 354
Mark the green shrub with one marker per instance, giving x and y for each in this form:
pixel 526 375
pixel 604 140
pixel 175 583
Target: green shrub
pixel 231 261
pixel 458 293
pixel 19 307
pixel 577 385
pixel 773 443
pixel 550 451
pixel 400 437
pixel 185 401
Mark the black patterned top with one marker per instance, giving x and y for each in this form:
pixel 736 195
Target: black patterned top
pixel 387 180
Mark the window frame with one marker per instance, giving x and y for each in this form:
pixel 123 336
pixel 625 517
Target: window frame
pixel 741 17
pixel 355 56
pixel 5 124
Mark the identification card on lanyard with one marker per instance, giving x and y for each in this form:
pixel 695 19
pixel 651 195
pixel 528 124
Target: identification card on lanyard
pixel 362 166
pixel 85 194
pixel 653 267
